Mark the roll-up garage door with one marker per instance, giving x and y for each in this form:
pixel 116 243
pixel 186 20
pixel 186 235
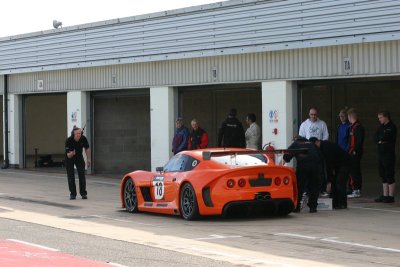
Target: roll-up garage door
pixel 121 133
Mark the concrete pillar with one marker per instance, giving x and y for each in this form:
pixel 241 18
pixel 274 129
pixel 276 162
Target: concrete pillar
pixel 279 112
pixel 78 113
pixel 162 126
pixel 15 138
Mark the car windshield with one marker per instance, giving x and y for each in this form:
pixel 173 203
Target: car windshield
pixel 241 160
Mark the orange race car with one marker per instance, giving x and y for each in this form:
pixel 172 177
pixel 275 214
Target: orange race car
pixel 213 182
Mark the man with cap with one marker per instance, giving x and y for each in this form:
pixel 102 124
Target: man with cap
pixel 231 133
pixel 180 141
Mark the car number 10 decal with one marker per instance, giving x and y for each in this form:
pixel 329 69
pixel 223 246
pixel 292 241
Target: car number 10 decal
pixel 158 185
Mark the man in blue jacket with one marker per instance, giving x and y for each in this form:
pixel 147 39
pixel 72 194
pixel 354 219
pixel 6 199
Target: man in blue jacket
pixel 180 141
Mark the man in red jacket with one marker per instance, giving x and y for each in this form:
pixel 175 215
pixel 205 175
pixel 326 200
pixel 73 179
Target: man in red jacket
pixel 356 144
pixel 198 138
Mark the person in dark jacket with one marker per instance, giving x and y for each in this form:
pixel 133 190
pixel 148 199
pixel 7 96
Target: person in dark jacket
pixel 356 150
pixel 307 171
pixel 231 133
pixel 180 141
pixel 198 137
pixel 338 164
pixel 385 139
pixel 74 146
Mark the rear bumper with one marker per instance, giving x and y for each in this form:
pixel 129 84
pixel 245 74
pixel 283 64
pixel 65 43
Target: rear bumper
pixel 278 206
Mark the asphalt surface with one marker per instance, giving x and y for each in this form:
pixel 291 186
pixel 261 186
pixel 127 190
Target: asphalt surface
pixel 35 207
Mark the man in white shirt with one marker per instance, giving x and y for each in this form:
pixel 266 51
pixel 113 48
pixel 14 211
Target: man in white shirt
pixel 314 127
pixel 253 133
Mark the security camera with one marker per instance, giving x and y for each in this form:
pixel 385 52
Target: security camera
pixel 57 24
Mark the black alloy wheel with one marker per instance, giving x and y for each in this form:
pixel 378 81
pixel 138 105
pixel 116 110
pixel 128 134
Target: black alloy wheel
pixel 130 196
pixel 188 203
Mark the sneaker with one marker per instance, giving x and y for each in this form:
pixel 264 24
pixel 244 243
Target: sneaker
pixel 355 194
pixel 72 197
pixel 84 197
pixel 303 202
pixel 324 194
pixel 380 199
pixel 388 199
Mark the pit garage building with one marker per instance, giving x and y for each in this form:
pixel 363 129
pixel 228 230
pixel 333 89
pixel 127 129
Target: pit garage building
pixel 125 80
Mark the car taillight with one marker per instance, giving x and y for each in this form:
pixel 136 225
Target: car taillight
pixel 230 183
pixel 286 180
pixel 278 181
pixel 242 182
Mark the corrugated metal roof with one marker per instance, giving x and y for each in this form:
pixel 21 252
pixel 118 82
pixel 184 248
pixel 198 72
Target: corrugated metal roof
pixel 367 60
pixel 226 28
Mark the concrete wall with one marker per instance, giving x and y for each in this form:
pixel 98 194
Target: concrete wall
pixel 45 124
pixel 121 134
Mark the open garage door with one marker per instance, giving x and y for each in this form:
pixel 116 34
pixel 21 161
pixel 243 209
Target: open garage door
pixel 211 105
pixel 45 125
pixel 121 136
pixel 368 97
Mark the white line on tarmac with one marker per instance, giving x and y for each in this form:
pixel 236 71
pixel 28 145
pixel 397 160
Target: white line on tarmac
pixel 334 240
pixel 32 244
pixel 296 235
pixel 116 264
pixel 211 237
pixel 361 208
pixel 118 220
pixel 6 208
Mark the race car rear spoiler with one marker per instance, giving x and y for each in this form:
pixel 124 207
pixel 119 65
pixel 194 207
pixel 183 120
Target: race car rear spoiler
pixel 208 154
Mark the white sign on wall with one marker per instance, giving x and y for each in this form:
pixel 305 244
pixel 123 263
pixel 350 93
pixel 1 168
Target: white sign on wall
pixel 40 85
pixel 347 65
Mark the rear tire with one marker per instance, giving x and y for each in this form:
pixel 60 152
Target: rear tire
pixel 130 196
pixel 188 203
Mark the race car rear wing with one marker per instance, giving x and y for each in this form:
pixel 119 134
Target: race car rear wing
pixel 208 154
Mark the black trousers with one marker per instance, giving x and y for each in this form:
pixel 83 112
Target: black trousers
pixel 355 172
pixel 339 184
pixel 79 162
pixel 309 177
pixel 386 164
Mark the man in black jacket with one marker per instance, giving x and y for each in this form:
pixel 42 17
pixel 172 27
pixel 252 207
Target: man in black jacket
pixel 308 170
pixel 231 133
pixel 338 164
pixel 73 156
pixel 385 138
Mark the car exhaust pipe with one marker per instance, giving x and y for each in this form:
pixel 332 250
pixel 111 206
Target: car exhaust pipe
pixel 259 197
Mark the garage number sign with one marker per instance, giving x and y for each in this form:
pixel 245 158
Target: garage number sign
pixel 158 185
pixel 347 66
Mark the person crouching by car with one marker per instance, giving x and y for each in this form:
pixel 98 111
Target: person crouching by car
pixel 180 141
pixel 308 169
pixel 198 137
pixel 338 164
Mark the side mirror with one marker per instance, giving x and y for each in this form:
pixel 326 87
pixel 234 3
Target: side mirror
pixel 160 169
